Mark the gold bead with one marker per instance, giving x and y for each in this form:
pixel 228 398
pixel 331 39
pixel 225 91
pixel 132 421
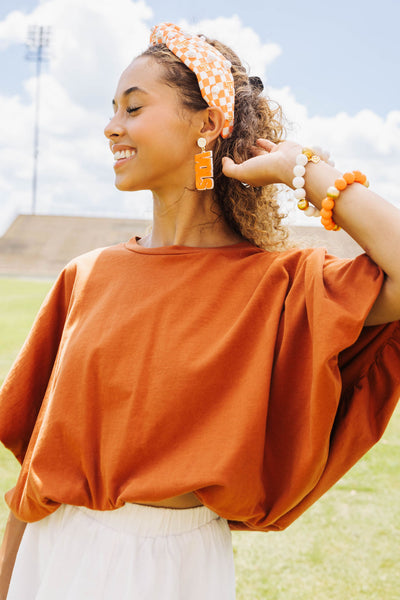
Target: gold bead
pixel 308 152
pixel 302 204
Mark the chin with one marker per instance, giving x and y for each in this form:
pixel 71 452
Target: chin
pixel 125 185
pixel 122 187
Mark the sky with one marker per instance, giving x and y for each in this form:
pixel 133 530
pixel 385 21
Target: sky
pixel 333 66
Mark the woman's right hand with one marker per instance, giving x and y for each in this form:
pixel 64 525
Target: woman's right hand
pixel 271 163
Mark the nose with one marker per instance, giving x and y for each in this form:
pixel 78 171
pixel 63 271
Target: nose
pixel 114 128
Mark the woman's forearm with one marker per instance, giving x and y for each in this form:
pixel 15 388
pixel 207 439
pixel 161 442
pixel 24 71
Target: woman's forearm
pixel 8 552
pixel 373 223
pixel 370 220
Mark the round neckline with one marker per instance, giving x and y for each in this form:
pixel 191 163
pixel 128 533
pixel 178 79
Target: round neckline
pixel 133 245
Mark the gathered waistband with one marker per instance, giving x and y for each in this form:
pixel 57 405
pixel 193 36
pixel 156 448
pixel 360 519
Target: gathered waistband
pixel 145 520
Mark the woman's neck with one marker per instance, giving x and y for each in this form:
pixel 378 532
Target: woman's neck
pixel 193 220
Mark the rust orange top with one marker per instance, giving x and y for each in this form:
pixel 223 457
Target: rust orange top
pixel 243 375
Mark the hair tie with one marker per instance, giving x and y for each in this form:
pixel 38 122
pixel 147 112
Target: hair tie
pixel 256 83
pixel 212 69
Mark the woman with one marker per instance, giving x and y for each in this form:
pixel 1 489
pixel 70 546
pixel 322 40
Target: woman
pixel 202 378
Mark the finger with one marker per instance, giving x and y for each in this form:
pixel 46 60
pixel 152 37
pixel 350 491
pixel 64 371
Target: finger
pixel 257 151
pixel 230 168
pixel 266 144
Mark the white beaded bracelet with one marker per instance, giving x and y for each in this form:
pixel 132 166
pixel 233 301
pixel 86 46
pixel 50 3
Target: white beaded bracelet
pixel 308 154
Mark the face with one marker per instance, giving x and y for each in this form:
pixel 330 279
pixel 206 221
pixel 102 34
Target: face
pixel 152 137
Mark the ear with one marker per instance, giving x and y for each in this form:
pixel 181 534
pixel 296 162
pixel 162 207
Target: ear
pixel 213 123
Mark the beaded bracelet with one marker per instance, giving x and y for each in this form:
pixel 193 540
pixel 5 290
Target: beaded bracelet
pixel 333 194
pixel 314 155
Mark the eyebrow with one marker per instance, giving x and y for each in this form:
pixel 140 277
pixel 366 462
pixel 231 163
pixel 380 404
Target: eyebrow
pixel 131 90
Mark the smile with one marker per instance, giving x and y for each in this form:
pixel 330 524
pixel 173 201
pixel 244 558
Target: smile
pixel 124 154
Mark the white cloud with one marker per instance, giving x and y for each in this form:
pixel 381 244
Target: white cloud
pixel 364 141
pixel 13 29
pixel 243 40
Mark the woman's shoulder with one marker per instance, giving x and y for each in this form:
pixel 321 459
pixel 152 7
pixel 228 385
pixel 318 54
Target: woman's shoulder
pixel 313 267
pixel 104 255
pixel 296 257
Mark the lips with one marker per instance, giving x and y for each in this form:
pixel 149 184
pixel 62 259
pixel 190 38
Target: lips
pixel 122 154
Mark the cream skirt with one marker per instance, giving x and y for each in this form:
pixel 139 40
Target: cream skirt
pixel 132 553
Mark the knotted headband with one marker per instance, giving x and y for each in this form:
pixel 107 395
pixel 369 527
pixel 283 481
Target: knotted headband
pixel 212 69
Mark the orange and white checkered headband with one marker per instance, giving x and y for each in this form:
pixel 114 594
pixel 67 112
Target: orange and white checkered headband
pixel 212 69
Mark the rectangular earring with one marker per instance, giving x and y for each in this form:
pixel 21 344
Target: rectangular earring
pixel 203 165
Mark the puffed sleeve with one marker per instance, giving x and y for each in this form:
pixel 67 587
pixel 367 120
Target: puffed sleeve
pixel 24 388
pixel 335 383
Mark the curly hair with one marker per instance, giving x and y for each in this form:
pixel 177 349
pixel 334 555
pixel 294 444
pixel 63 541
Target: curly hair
pixel 252 212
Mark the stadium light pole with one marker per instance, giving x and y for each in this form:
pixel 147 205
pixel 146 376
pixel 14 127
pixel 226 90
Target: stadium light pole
pixel 36 50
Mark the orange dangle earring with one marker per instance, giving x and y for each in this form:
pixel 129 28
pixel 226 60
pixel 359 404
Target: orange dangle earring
pixel 203 165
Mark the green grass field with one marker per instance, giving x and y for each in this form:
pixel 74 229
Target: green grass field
pixel 346 547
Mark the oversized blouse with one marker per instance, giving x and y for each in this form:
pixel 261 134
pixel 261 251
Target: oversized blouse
pixel 243 375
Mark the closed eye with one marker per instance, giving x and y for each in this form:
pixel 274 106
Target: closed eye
pixel 132 109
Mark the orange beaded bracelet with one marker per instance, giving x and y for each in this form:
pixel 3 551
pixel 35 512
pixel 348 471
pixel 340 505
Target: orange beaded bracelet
pixel 333 194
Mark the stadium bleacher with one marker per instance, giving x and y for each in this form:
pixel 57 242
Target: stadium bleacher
pixel 40 245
